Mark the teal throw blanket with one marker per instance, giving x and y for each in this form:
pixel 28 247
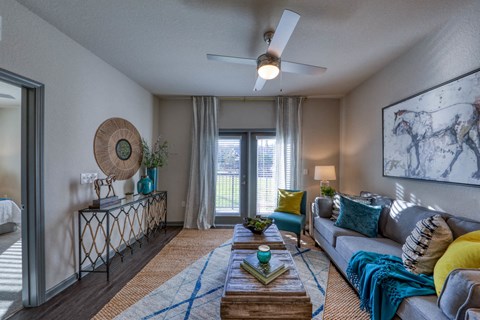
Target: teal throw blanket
pixel 382 282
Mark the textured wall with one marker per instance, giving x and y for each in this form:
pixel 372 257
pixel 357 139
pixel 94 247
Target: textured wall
pixel 446 54
pixel 10 153
pixel 81 91
pixel 174 117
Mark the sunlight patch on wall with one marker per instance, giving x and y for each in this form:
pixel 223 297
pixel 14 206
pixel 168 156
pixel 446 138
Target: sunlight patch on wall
pixel 399 191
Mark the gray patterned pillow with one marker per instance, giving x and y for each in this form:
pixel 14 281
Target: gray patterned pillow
pixel 426 244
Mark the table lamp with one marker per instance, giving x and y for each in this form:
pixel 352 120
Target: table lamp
pixel 324 174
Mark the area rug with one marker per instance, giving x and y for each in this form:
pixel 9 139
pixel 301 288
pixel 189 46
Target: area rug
pixel 188 246
pixel 341 301
pixel 196 291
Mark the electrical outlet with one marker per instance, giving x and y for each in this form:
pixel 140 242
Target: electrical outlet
pixel 87 178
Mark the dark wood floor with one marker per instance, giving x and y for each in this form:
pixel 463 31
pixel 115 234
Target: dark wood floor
pixel 86 297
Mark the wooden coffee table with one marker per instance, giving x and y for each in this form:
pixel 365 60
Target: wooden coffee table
pixel 245 239
pixel 244 297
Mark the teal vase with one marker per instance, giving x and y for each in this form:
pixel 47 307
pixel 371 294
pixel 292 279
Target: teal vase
pixel 152 174
pixel 264 254
pixel 145 185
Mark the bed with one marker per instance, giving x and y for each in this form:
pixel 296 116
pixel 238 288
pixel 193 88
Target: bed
pixel 10 216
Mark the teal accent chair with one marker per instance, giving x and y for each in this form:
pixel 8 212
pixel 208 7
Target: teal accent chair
pixel 292 222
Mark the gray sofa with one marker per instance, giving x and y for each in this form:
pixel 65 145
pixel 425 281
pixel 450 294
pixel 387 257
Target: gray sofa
pixel 340 244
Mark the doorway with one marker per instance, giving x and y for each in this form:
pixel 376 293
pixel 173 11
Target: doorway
pixel 29 197
pixel 245 175
pixel 10 200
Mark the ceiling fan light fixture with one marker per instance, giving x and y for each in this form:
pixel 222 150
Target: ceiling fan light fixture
pixel 268 66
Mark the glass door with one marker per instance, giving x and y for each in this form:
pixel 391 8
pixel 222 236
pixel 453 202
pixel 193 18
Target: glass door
pixel 245 176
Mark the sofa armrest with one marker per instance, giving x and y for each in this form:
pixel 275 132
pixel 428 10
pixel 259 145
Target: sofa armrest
pixel 472 314
pixel 460 292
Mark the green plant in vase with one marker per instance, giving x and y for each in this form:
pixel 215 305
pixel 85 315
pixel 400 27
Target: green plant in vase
pixel 154 157
pixel 327 191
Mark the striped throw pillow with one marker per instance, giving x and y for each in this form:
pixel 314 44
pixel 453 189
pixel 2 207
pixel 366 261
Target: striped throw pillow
pixel 426 244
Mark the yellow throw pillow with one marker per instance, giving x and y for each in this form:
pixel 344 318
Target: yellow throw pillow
pixel 289 201
pixel 464 252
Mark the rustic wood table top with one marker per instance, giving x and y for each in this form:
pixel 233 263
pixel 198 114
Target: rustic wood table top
pixel 245 239
pixel 244 297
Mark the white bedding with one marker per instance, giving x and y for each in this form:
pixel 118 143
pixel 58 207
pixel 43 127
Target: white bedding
pixel 9 212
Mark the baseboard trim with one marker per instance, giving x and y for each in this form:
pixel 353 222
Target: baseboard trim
pixel 52 292
pixel 175 224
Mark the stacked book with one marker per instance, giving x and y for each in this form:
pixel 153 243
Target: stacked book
pixel 263 272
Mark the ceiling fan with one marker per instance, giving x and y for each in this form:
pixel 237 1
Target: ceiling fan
pixel 269 64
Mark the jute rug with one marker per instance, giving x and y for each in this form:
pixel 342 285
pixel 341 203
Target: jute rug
pixel 195 292
pixel 189 246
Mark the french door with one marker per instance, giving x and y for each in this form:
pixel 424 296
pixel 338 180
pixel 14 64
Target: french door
pixel 245 175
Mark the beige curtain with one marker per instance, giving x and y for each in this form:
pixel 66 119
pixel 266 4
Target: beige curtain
pixel 200 206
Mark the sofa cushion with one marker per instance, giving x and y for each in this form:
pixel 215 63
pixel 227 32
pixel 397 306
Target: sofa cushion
pixel 460 293
pixel 358 216
pixel 323 206
pixel 464 252
pixel 330 232
pixel 348 245
pixel 402 218
pixel 460 226
pixel 426 244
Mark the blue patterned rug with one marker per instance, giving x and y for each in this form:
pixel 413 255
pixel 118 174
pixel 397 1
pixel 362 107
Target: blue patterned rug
pixel 195 292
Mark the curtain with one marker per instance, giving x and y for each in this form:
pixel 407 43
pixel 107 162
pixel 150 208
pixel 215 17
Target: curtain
pixel 200 206
pixel 289 143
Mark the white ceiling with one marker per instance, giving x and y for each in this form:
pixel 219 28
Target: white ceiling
pixel 162 44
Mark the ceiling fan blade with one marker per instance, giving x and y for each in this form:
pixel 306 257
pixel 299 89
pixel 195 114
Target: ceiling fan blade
pixel 247 61
pixel 294 67
pixel 284 30
pixel 259 84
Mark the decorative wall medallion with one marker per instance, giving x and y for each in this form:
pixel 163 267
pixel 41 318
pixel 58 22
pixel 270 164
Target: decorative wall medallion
pixel 118 148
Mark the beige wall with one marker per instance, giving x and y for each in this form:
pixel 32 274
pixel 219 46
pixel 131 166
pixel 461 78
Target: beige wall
pixel 451 52
pixel 10 153
pixel 321 138
pixel 81 91
pixel 174 118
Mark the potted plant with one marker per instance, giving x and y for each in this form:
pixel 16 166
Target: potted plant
pixel 327 191
pixel 323 205
pixel 154 158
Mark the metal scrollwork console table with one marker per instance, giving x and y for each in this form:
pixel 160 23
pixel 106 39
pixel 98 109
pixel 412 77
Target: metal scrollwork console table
pixel 107 232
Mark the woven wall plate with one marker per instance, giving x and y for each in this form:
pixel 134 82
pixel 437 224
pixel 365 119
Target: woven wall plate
pixel 118 148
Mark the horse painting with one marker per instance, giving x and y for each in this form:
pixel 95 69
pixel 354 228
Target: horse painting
pixel 440 137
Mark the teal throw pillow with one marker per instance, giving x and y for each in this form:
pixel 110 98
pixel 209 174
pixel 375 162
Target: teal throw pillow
pixel 358 217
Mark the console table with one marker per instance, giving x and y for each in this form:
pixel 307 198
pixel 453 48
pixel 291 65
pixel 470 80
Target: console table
pixel 106 232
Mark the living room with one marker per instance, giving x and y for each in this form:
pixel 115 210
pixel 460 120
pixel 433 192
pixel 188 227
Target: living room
pixel 342 115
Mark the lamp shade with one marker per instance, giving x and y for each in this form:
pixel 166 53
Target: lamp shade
pixel 325 173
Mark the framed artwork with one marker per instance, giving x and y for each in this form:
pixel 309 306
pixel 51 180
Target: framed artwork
pixel 435 135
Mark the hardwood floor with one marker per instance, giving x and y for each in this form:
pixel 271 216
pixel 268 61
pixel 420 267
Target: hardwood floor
pixel 86 297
